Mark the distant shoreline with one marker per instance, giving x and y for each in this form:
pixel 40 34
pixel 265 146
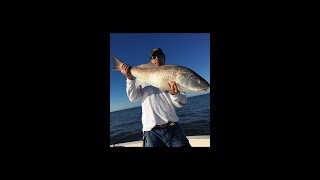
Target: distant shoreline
pixel 140 105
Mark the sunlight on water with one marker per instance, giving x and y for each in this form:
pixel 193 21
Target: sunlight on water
pixel 125 125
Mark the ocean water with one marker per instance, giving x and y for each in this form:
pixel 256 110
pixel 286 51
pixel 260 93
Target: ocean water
pixel 194 118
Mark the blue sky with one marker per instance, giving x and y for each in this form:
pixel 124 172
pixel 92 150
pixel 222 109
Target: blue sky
pixel 191 50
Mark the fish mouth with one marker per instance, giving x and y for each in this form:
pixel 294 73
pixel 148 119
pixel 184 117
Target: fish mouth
pixel 202 90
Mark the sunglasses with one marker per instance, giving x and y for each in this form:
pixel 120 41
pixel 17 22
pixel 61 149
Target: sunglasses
pixel 159 56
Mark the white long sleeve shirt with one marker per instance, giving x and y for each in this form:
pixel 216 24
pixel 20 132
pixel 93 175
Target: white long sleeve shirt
pixel 158 107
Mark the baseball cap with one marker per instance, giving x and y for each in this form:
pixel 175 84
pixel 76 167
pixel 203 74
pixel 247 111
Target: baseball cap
pixel 156 51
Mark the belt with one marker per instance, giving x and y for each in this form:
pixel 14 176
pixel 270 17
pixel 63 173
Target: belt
pixel 170 123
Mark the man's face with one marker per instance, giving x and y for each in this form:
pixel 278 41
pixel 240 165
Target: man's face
pixel 157 59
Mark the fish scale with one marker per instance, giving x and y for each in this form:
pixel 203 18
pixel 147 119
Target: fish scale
pixel 159 76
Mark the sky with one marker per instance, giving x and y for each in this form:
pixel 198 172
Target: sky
pixel 191 50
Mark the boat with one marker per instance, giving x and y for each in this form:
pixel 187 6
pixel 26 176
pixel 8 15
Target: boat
pixel 195 141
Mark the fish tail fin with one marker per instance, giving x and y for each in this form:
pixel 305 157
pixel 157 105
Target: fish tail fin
pixel 116 64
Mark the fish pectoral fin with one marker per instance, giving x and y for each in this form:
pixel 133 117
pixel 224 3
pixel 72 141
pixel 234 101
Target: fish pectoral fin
pixel 182 88
pixel 179 87
pixel 139 82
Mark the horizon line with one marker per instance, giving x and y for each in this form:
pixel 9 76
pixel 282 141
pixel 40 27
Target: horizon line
pixel 140 104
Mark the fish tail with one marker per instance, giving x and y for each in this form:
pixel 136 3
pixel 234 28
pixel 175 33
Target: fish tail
pixel 116 64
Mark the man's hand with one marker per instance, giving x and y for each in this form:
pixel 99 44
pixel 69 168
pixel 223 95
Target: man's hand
pixel 173 89
pixel 125 70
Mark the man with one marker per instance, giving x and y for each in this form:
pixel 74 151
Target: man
pixel 159 119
